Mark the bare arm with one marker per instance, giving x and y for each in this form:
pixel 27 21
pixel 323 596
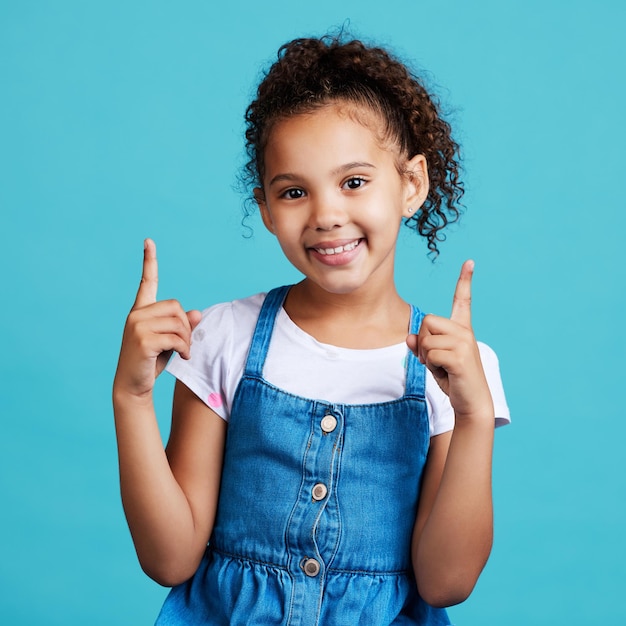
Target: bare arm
pixel 169 498
pixel 454 527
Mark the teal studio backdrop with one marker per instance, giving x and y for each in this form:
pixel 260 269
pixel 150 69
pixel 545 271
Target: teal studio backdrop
pixel 121 120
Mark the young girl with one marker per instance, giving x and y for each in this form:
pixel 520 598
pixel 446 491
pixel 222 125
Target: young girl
pixel 337 476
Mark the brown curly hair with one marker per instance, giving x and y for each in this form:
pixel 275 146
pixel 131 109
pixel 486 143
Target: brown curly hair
pixel 311 72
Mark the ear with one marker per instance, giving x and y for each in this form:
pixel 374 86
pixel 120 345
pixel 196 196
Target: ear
pixel 416 184
pixel 259 196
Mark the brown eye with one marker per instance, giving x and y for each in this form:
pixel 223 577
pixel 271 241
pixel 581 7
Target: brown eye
pixel 293 194
pixel 355 182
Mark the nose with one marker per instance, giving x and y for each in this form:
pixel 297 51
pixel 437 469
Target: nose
pixel 327 213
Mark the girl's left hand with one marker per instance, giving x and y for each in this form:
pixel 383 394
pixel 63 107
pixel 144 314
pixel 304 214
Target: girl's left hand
pixel 448 349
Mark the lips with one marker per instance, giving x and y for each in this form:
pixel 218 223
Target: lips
pixel 336 252
pixel 330 248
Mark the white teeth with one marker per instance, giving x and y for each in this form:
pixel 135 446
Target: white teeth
pixel 346 248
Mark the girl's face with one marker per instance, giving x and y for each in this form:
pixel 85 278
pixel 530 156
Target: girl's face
pixel 333 196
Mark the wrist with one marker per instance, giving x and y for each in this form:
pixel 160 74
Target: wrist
pixel 481 417
pixel 123 399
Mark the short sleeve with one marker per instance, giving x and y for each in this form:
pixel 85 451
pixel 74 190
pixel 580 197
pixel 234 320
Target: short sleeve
pixel 220 344
pixel 206 372
pixel 440 410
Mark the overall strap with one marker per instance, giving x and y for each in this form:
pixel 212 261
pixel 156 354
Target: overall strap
pixel 263 331
pixel 415 371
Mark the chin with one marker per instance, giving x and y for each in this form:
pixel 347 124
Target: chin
pixel 339 287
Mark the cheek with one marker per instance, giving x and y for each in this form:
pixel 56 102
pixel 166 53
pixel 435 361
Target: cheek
pixel 287 233
pixel 382 212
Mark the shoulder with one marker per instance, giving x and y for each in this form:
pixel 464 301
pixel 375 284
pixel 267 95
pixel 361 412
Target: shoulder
pixel 220 344
pixel 225 331
pixel 488 356
pixel 234 314
pixel 491 366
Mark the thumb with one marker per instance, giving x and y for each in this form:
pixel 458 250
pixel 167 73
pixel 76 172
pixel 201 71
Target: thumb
pixel 412 343
pixel 194 318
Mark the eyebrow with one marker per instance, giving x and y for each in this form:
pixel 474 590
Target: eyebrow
pixel 287 176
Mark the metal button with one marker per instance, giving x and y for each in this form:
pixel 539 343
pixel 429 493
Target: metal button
pixel 319 491
pixel 311 567
pixel 329 423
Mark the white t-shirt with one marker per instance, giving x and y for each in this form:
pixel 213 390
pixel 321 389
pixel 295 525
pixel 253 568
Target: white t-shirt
pixel 301 365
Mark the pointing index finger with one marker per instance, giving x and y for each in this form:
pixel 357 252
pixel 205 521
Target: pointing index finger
pixel 147 292
pixel 461 304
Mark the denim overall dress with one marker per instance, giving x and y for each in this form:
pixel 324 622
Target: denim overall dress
pixel 316 510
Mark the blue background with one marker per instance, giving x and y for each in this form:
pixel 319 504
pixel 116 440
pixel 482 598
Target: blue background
pixel 120 120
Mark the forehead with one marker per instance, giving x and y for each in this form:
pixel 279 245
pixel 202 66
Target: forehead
pixel 337 132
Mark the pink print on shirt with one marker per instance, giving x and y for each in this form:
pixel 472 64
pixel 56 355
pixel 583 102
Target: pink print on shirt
pixel 215 400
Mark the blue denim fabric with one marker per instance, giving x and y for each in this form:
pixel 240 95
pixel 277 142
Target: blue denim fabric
pixel 356 538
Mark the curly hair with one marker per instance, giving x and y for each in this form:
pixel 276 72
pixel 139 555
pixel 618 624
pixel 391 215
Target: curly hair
pixel 313 72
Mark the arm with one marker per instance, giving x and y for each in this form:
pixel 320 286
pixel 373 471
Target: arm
pixel 169 498
pixel 454 527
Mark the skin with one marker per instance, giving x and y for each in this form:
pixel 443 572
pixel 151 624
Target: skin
pixel 169 496
pixel 330 183
pixel 453 532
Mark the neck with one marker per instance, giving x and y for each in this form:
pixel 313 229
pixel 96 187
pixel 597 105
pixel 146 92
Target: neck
pixel 361 319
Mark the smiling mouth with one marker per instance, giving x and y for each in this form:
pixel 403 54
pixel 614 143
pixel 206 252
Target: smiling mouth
pixel 339 249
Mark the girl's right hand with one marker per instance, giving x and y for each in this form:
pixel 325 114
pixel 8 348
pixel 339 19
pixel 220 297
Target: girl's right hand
pixel 153 331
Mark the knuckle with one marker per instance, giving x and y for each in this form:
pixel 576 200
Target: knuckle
pixel 181 346
pixel 174 306
pixel 143 341
pixel 131 320
pixel 468 336
pixel 426 323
